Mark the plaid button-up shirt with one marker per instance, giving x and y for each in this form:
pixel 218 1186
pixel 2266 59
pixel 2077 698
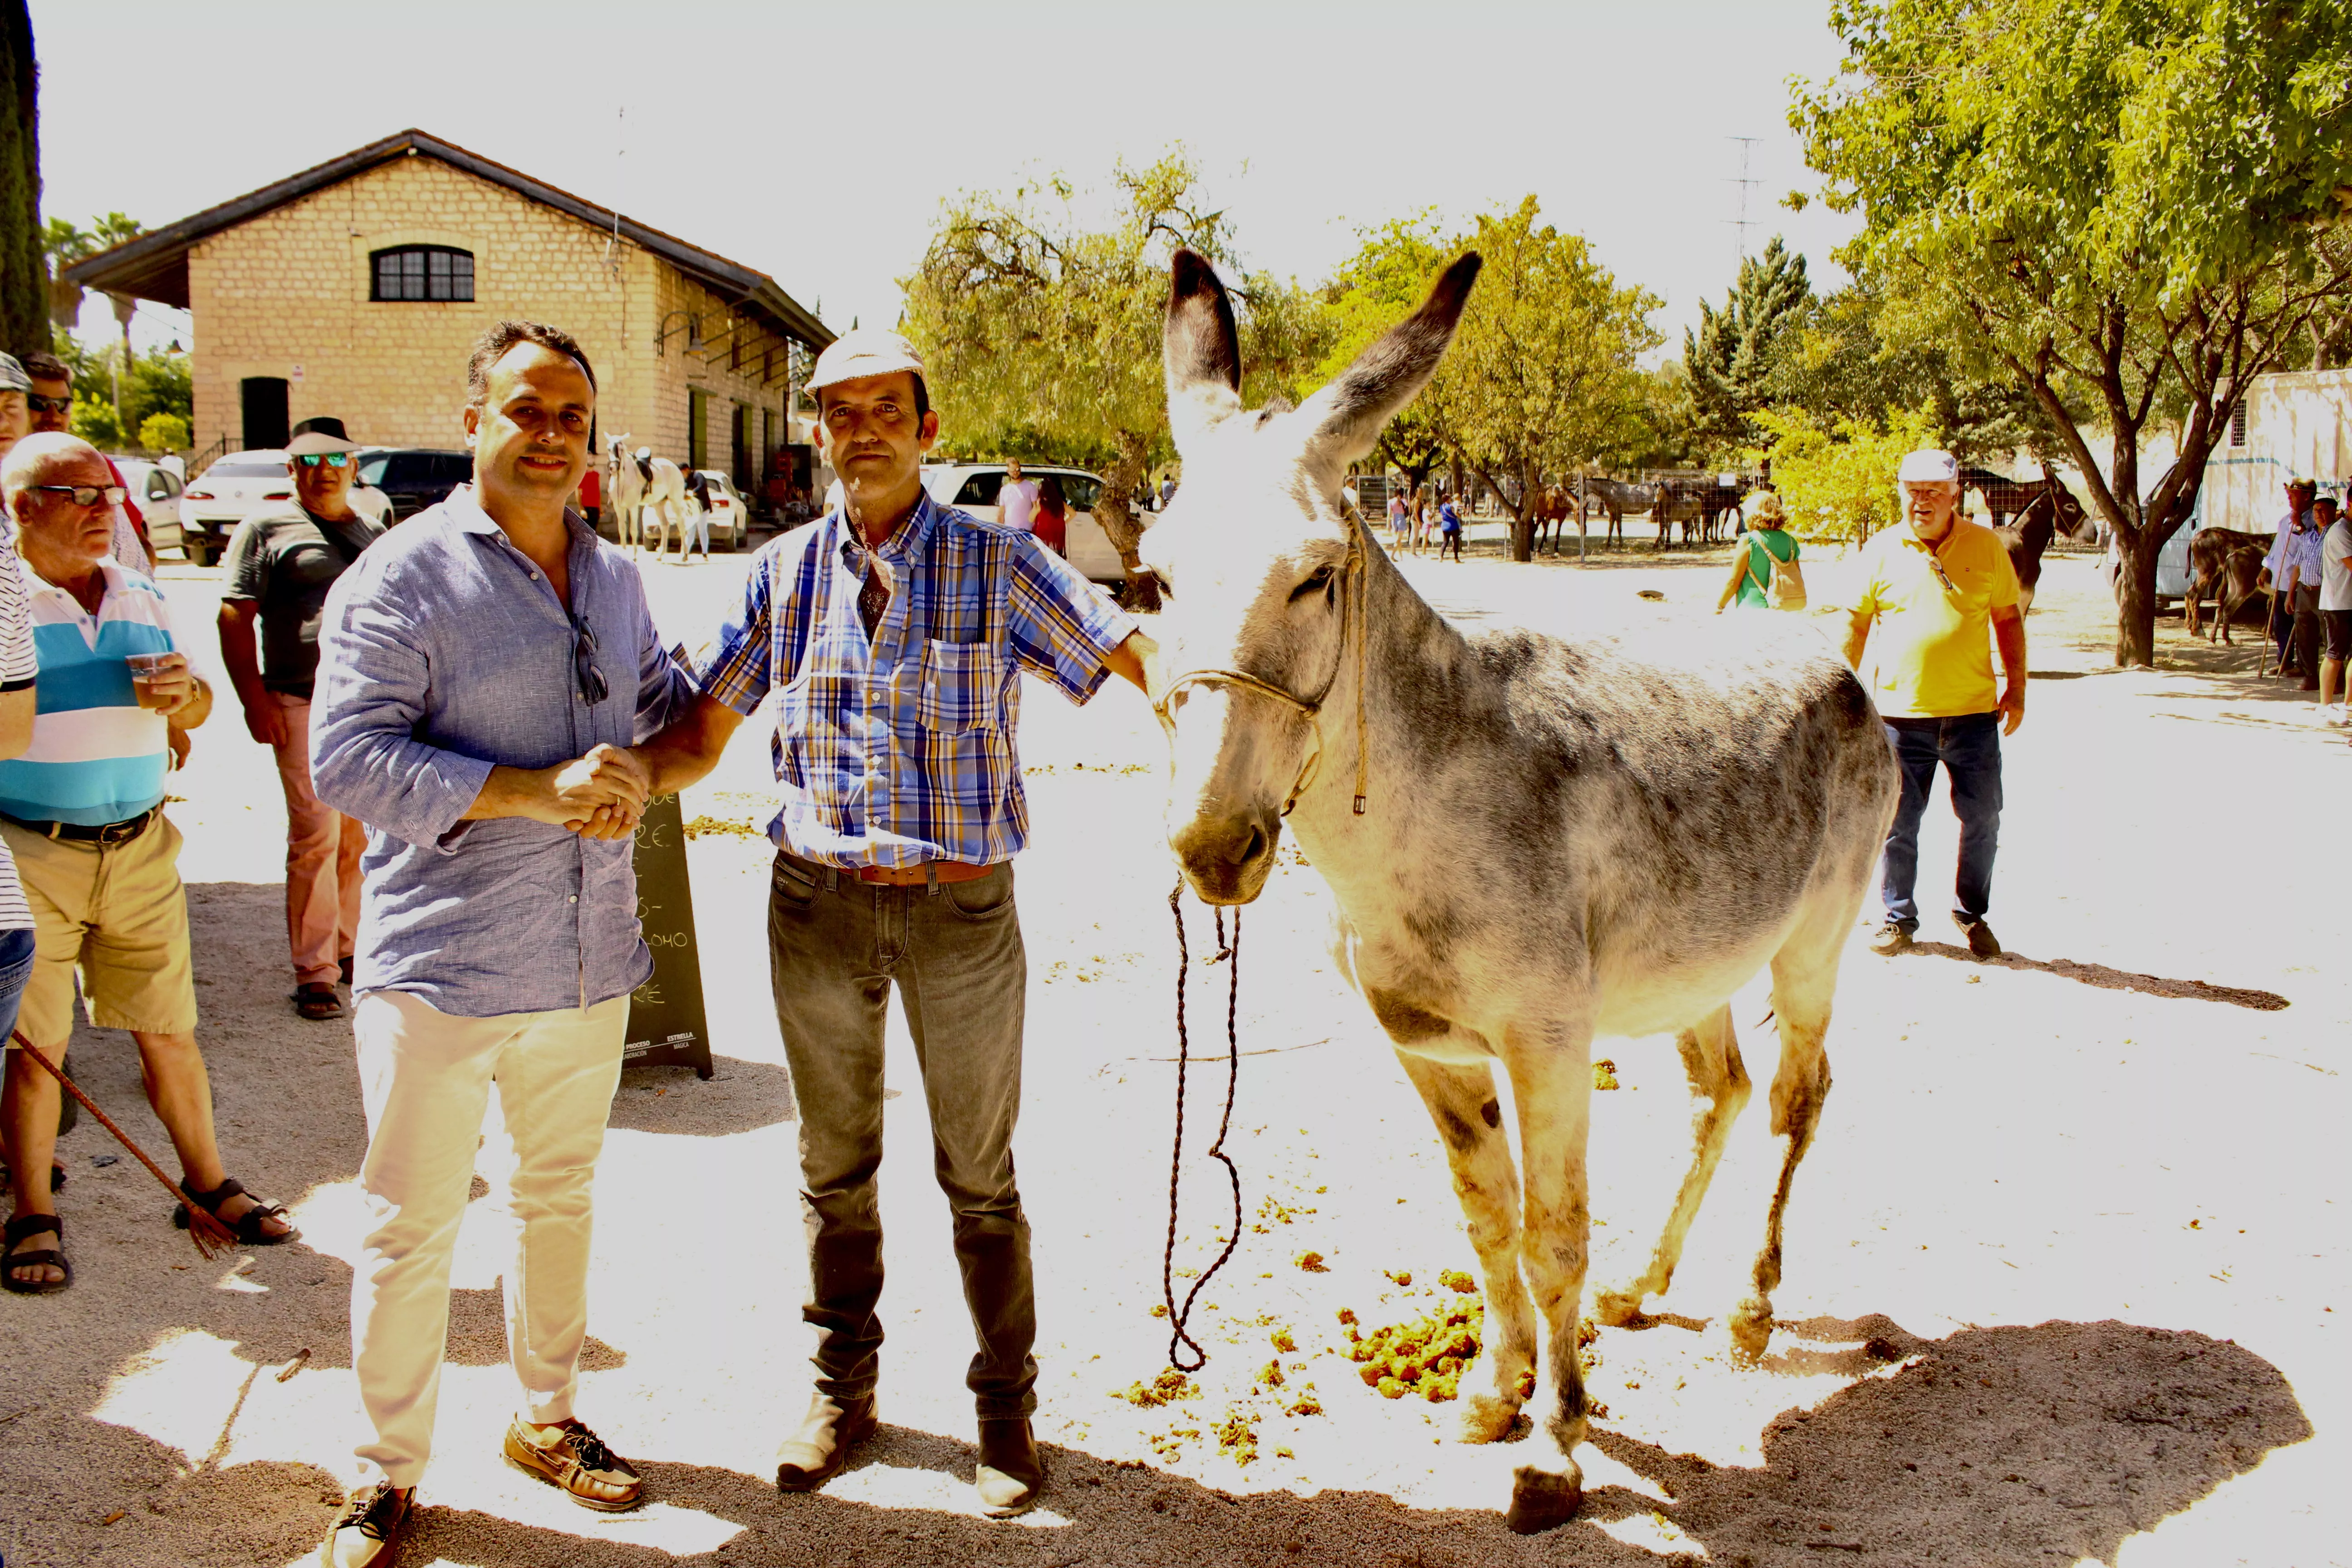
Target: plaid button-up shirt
pixel 899 750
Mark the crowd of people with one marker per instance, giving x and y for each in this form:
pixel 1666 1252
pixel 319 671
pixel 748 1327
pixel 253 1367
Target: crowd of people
pixel 2307 573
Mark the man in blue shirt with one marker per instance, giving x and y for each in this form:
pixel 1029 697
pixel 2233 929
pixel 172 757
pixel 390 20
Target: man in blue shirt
pixel 895 632
pixel 481 671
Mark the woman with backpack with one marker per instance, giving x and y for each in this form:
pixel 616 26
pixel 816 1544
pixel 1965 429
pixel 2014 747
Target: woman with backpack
pixel 1764 572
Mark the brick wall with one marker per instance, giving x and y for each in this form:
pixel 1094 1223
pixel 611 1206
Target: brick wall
pixel 286 295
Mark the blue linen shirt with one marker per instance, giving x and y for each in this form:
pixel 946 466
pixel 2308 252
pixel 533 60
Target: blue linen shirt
pixel 443 652
pixel 901 750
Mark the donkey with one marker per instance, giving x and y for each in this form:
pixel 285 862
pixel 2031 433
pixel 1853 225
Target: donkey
pixel 1544 839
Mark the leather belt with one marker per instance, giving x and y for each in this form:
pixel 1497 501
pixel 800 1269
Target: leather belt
pixel 121 832
pixel 922 875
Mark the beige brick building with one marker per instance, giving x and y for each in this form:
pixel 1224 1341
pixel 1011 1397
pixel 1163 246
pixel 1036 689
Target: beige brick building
pixel 356 287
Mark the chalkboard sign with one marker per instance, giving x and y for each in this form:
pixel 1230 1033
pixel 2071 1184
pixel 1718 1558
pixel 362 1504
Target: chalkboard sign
pixel 667 1025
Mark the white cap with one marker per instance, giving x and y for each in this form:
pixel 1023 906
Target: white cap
pixel 861 353
pixel 1928 466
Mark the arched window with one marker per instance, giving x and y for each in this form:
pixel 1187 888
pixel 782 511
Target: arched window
pixel 431 272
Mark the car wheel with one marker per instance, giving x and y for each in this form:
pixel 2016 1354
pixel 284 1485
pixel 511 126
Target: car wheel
pixel 197 551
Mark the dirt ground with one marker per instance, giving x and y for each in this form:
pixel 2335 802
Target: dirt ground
pixel 1985 1358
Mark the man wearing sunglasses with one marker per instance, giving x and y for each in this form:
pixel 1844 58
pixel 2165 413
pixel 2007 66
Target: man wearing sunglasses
pixel 50 405
pixel 282 560
pixel 1941 591
pixel 482 669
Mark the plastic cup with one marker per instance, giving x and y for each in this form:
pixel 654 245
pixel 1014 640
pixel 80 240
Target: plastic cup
pixel 144 669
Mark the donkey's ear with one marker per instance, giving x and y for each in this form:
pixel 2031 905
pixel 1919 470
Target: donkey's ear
pixel 1201 351
pixel 1348 415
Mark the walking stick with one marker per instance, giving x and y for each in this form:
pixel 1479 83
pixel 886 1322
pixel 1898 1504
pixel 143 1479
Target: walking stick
pixel 205 1229
pixel 2270 628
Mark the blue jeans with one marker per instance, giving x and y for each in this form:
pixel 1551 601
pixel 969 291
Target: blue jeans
pixel 16 968
pixel 1969 749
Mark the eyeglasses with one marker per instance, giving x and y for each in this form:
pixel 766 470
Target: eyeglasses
pixel 86 495
pixel 41 405
pixel 333 460
pixel 1941 575
pixel 590 680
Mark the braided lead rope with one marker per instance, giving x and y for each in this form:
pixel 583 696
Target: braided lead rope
pixel 1230 952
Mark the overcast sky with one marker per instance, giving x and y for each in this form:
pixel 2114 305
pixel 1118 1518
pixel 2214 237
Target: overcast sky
pixel 817 143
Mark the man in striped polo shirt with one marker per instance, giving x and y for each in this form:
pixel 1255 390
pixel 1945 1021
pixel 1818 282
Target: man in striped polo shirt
pixel 81 811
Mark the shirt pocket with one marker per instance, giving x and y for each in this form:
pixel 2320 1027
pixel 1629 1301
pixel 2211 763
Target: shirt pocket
pixel 961 687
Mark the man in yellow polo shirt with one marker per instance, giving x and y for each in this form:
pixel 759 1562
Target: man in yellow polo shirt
pixel 1940 592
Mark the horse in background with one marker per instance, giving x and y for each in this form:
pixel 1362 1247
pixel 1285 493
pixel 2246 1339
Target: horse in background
pixel 664 500
pixel 624 492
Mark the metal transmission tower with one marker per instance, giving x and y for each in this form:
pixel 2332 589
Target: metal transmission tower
pixel 1739 225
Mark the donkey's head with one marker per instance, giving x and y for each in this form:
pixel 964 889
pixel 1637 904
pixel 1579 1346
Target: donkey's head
pixel 1264 569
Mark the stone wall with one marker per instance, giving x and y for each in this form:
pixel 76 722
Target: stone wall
pixel 286 295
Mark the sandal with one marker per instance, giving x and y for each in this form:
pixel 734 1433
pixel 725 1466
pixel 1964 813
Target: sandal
pixel 317 1002
pixel 21 1229
pixel 247 1226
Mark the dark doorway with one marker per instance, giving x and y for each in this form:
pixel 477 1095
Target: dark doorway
pixel 740 438
pixel 264 411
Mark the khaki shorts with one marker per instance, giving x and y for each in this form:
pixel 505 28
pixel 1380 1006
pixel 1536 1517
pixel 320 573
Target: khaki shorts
pixel 117 911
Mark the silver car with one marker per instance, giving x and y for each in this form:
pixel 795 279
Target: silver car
pixel 155 491
pixel 972 487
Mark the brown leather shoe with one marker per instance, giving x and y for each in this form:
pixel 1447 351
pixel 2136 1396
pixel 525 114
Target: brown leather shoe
pixel 1011 1472
pixel 589 1473
pixel 367 1535
pixel 814 1455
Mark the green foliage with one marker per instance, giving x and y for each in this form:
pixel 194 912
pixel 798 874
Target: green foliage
pixel 1729 358
pixel 64 243
pixel 2128 210
pixel 159 383
pixel 1543 374
pixel 165 432
pixel 23 286
pixel 1041 327
pixel 94 421
pixel 1838 480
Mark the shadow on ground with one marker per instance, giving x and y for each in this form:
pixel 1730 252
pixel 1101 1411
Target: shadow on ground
pixel 739 1097
pixel 2004 1447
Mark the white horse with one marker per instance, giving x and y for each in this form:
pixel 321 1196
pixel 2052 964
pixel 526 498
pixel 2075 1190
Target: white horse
pixel 1531 839
pixel 624 492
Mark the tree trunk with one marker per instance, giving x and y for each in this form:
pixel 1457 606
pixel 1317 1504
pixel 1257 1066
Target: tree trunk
pixel 1133 452
pixel 2136 552
pixel 23 274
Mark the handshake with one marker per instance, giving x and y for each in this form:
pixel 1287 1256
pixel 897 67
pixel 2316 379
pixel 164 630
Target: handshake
pixel 600 795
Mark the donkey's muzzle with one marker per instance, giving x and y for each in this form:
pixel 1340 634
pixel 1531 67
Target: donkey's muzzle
pixel 1226 860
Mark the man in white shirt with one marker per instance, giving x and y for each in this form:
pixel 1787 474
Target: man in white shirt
pixel 2281 629
pixel 2294 563
pixel 2335 605
pixel 1017 501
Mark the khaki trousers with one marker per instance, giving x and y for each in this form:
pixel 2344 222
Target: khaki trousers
pixel 426 1077
pixel 322 859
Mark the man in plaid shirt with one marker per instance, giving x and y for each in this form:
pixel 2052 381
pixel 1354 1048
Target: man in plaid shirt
pixel 896 631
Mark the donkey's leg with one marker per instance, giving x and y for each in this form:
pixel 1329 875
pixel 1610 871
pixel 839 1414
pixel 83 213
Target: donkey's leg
pixel 1718 1086
pixel 1551 1080
pixel 1460 1100
pixel 1804 979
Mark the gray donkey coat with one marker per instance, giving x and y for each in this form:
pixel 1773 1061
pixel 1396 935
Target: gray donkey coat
pixel 1561 837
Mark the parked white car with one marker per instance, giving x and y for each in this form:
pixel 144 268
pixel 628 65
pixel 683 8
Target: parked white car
pixel 155 491
pixel 972 487
pixel 218 499
pixel 730 515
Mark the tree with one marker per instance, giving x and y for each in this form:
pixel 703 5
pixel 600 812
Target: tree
pixel 1037 328
pixel 1543 374
pixel 1729 357
pixel 23 286
pixel 1386 282
pixel 2129 209
pixel 1836 479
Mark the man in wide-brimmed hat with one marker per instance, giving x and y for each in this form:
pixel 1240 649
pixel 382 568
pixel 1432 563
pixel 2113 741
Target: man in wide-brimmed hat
pixel 282 560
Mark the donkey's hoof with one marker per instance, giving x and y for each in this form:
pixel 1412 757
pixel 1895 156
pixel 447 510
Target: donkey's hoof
pixel 1751 1329
pixel 1488 1419
pixel 1615 1309
pixel 1541 1501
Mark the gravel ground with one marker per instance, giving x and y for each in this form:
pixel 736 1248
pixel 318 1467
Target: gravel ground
pixel 1986 1358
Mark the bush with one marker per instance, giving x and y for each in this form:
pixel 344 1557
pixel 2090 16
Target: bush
pixel 1840 484
pixel 164 433
pixel 94 422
